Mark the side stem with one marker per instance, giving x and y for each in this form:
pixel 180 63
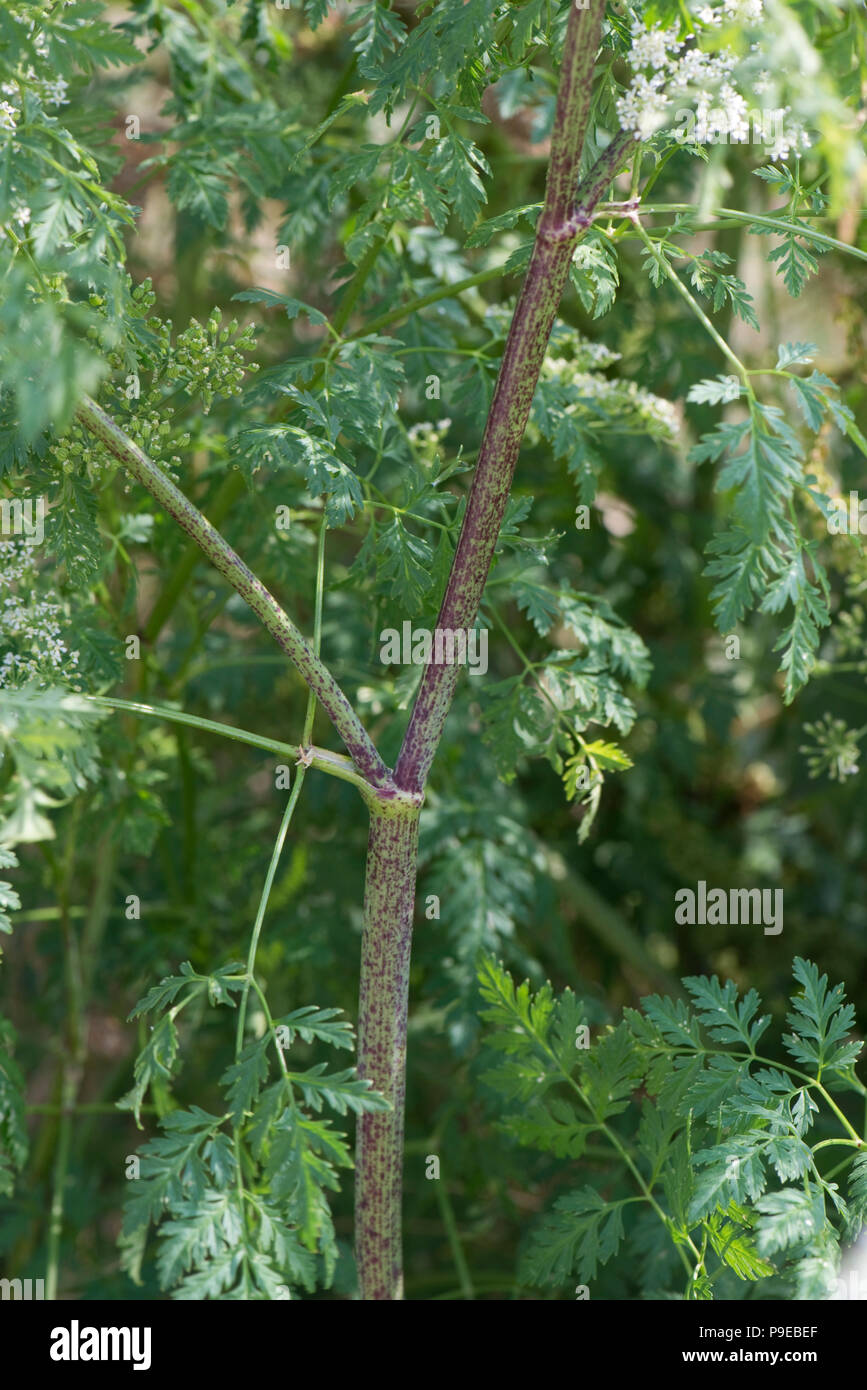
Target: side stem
pixel 230 565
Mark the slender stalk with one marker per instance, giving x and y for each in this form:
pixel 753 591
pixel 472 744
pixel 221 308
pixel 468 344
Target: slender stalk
pixel 557 233
pixel 244 581
pixel 778 224
pixel 412 306
pixel 263 904
pixel 321 758
pixel 85 1108
pixel 468 1291
pixel 74 1059
pixel 309 717
pixel 693 303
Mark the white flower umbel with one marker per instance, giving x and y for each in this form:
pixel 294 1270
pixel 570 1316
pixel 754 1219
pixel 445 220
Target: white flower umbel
pixel 654 48
pixel 628 406
pixel 675 78
pixel 55 92
pixel 744 11
pixel 30 626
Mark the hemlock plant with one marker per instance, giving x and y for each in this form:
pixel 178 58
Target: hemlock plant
pixel 724 1168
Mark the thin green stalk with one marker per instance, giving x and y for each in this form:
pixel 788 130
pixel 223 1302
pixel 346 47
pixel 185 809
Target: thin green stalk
pixel 856 1137
pixel 412 306
pixel 626 1158
pixel 463 1270
pixel 263 904
pixel 696 308
pixel 828 1143
pixel 72 1063
pixel 290 805
pixel 753 1056
pixel 336 764
pixel 310 715
pixel 838 1168
pixel 61 1165
pixel 353 294
pixel 773 223
pixel 85 1108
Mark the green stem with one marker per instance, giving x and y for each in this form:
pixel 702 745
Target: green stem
pixel 84 1108
pixel 839 1113
pixel 625 1156
pixel 828 1143
pixel 696 308
pixel 447 1212
pixel 290 805
pixel 774 223
pixel 310 714
pixel 73 1063
pixel 263 904
pixel 412 306
pixel 353 294
pixel 336 764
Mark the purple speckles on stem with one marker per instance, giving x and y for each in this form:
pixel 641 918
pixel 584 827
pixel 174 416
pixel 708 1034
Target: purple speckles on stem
pixel 389 901
pixel 392 848
pixel 598 179
pixel 559 226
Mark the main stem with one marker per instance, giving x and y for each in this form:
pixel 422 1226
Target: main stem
pixel 391 863
pixel 389 901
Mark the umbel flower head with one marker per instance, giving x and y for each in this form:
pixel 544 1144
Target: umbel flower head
pixel 677 86
pixel 31 626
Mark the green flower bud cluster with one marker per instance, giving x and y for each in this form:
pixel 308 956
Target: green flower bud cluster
pixel 140 301
pixel 834 750
pixel 74 451
pixel 211 359
pixel 207 361
pixel 851 637
pixel 143 298
pixel 149 425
